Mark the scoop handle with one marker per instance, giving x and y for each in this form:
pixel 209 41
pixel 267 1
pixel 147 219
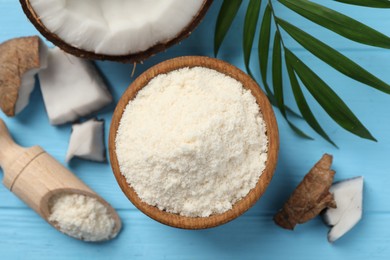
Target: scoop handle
pixel 9 150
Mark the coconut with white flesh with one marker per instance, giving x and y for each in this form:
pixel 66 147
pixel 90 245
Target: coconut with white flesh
pixel 115 29
pixel 348 195
pixel 71 88
pixel 20 60
pixel 87 141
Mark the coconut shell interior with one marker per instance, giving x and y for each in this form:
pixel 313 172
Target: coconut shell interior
pixel 134 57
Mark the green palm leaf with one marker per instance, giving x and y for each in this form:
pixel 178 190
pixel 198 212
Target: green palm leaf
pixel 263 52
pixel 264 40
pixel 333 57
pixel 277 74
pixel 370 3
pixel 338 23
pixel 250 24
pixel 303 106
pixel 277 81
pixel 298 131
pixel 327 98
pixel 225 18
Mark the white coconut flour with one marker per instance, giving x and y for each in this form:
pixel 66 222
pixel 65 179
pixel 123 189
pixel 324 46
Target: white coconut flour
pixel 192 142
pixel 82 217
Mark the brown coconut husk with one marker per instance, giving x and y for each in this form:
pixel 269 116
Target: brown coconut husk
pixel 17 56
pixel 310 197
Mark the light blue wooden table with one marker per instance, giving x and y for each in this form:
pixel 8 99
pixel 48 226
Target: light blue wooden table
pixel 24 235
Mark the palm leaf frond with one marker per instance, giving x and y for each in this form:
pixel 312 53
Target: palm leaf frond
pixel 263 46
pixel 304 107
pixel 277 82
pixel 327 98
pixel 250 24
pixel 334 58
pixel 330 19
pixel 370 3
pixel 225 18
pixel 338 23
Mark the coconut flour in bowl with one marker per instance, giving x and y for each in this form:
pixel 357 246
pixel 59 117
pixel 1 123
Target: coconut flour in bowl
pixel 193 142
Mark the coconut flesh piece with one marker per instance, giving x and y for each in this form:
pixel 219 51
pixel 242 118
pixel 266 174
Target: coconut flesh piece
pixel 87 141
pixel 115 27
pixel 71 88
pixel 348 195
pixel 20 60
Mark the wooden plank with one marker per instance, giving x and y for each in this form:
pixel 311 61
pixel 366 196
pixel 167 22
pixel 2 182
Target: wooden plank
pixel 23 234
pixel 32 127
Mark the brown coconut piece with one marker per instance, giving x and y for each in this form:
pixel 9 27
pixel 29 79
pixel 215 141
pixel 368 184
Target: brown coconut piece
pixel 310 197
pixel 17 58
pixel 134 57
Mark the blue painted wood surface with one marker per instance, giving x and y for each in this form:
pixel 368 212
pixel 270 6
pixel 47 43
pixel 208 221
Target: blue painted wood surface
pixel 23 235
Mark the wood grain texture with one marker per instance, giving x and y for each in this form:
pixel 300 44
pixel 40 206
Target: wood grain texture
pixel 175 220
pixel 36 177
pixel 248 237
pixel 135 57
pixel 23 234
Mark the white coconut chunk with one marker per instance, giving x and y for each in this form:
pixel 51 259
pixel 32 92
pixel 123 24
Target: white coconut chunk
pixel 87 141
pixel 71 88
pixel 116 27
pixel 348 195
pixel 27 85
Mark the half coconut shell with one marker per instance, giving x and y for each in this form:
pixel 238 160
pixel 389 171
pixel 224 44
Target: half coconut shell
pixel 133 57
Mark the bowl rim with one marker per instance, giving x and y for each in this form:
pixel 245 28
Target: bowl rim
pixel 241 206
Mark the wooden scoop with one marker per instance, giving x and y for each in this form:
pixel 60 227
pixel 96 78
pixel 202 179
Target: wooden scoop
pixel 35 177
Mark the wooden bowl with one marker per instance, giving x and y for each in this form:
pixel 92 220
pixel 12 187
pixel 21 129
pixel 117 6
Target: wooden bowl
pixel 239 207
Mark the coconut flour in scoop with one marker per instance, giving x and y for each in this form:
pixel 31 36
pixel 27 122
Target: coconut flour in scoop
pixel 192 142
pixel 82 217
